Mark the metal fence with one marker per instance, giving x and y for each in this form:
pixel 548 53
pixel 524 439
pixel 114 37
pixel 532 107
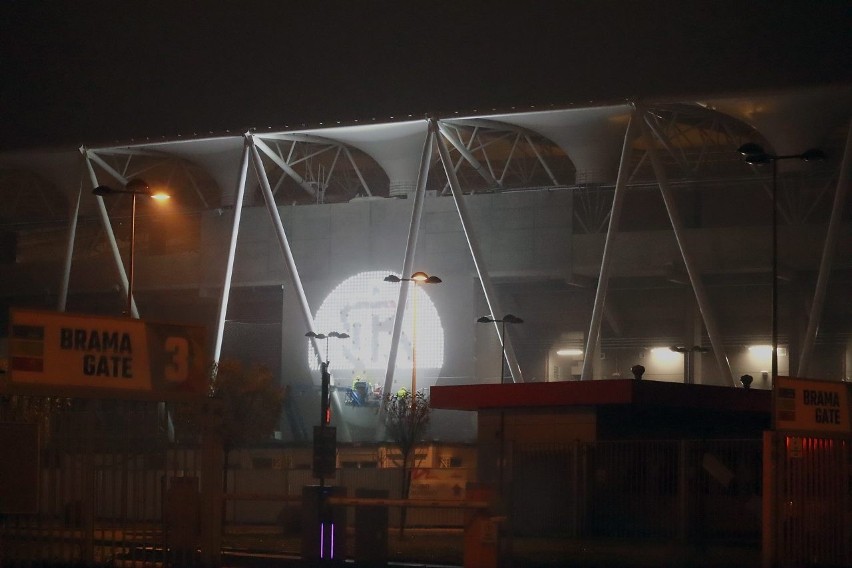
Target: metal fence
pixel 669 489
pixel 811 514
pixel 107 470
pixel 114 487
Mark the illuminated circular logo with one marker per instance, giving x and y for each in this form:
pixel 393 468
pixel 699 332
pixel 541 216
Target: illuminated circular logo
pixel 364 306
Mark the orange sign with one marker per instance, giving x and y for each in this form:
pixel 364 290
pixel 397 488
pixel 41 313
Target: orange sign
pixel 811 406
pixel 54 350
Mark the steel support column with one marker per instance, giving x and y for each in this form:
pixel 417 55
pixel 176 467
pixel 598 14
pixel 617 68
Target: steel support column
pixel 844 180
pixel 69 251
pixel 258 143
pixel 688 261
pixel 606 260
pixel 116 255
pixel 408 261
pixel 232 249
pixel 467 156
pixel 283 242
pixel 289 261
pixel 478 261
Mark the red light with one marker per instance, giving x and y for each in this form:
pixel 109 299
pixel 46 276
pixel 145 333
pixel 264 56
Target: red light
pixel 328 415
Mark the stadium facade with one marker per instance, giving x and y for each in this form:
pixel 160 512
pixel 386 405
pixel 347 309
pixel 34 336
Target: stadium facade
pixel 622 234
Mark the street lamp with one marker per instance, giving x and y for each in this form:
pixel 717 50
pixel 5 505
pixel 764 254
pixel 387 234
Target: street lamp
pixel 416 278
pixel 325 415
pixel 508 318
pixel 325 438
pixel 326 336
pixel 687 352
pixel 755 154
pixel 133 188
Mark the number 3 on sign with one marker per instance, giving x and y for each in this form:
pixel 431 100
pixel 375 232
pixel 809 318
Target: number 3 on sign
pixel 177 366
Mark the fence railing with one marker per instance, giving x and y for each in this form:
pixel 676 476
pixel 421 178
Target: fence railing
pixel 109 491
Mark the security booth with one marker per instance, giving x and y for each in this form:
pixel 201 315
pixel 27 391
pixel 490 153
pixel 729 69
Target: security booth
pixel 618 458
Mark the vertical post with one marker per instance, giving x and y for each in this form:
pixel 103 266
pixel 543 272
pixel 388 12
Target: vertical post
pixel 770 487
pixel 212 495
pixel 408 261
pixel 414 352
pixel 683 491
pixel 774 375
pixel 130 261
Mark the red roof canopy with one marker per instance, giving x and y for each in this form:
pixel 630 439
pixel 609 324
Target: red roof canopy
pixel 598 393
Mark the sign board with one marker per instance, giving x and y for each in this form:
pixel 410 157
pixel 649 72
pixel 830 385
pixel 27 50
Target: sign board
pixel 325 451
pixel 82 355
pixel 808 405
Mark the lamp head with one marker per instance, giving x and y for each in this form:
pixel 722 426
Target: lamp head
pixel 102 190
pixel 484 319
pixel 750 148
pixel 812 155
pixel 392 278
pixel 509 318
pixel 137 185
pixel 754 153
pixel 420 277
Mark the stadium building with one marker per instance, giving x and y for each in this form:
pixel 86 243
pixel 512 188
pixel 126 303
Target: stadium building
pixel 686 236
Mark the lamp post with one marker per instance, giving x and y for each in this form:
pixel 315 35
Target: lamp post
pixel 416 278
pixel 133 188
pixel 504 543
pixel 688 376
pixel 325 439
pixel 508 318
pixel 326 377
pixel 755 154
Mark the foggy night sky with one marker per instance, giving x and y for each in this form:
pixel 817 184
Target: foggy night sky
pixel 97 72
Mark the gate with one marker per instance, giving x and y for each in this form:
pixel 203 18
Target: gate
pixel 112 483
pixel 809 511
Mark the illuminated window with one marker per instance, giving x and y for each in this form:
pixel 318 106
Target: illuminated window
pixel 364 306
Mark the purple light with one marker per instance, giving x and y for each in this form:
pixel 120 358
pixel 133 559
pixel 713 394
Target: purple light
pixel 322 541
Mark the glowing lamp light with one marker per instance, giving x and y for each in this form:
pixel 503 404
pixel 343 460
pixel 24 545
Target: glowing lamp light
pixel 760 350
pixel 665 355
pixel 364 306
pixel 160 196
pixel 569 352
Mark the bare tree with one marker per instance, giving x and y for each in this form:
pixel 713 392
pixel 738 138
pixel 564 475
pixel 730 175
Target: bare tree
pixel 406 420
pixel 251 403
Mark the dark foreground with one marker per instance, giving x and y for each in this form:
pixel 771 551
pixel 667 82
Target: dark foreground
pixel 445 547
